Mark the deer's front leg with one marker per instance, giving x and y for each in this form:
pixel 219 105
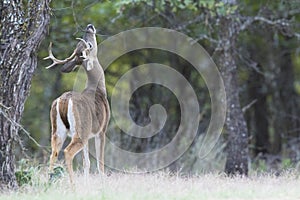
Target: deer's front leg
pixel 99 146
pixel 71 150
pixel 102 145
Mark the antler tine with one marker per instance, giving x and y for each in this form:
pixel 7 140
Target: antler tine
pixel 87 48
pixel 57 61
pixel 85 43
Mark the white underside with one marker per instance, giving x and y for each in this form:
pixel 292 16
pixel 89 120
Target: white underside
pixel 62 131
pixel 61 128
pixel 71 118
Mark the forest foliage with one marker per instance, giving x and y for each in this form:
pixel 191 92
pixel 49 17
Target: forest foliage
pixel 267 54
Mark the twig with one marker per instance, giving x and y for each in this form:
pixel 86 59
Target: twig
pixel 14 137
pixel 245 108
pixel 249 62
pixel 199 18
pixel 91 4
pixel 245 25
pixel 78 27
pixel 22 128
pixel 59 9
pixel 7 108
pixel 204 36
pixel 166 18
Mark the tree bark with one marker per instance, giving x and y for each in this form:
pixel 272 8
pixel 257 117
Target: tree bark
pixel 22 30
pixel 236 129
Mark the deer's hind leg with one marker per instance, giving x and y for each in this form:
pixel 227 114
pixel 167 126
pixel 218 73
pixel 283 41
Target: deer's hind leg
pixel 71 150
pixel 58 136
pixel 56 145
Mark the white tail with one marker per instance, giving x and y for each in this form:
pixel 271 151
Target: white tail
pixel 83 115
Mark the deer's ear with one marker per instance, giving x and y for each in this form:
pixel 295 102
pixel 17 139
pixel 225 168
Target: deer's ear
pixel 90 65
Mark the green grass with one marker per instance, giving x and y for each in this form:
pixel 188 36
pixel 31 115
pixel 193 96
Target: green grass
pixel 161 185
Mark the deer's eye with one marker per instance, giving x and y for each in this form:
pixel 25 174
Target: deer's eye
pixel 90 45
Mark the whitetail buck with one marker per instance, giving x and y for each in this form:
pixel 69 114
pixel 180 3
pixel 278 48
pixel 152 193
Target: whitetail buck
pixel 81 115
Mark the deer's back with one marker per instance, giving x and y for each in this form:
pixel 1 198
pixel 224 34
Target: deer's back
pixel 80 113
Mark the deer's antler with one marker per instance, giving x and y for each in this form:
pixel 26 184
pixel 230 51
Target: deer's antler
pixel 75 52
pixel 87 48
pixel 57 61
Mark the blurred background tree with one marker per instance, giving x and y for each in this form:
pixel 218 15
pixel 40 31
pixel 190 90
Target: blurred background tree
pixel 264 67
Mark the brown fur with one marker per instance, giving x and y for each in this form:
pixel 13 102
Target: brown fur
pixel 63 108
pixel 90 111
pixel 53 115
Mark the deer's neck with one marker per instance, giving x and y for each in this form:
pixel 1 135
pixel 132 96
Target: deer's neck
pixel 95 78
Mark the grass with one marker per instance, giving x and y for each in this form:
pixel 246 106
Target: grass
pixel 161 185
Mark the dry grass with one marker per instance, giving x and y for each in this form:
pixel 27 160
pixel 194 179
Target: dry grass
pixel 164 186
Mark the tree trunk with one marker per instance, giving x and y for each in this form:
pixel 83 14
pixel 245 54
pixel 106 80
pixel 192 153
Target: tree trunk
pixel 259 120
pixel 286 103
pixel 22 29
pixel 236 129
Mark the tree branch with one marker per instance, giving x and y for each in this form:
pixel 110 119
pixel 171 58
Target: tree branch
pixel 195 20
pixel 279 23
pixel 18 140
pixel 206 37
pixel 246 107
pixel 249 62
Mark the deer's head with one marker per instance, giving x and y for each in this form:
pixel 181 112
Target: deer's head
pixel 84 53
